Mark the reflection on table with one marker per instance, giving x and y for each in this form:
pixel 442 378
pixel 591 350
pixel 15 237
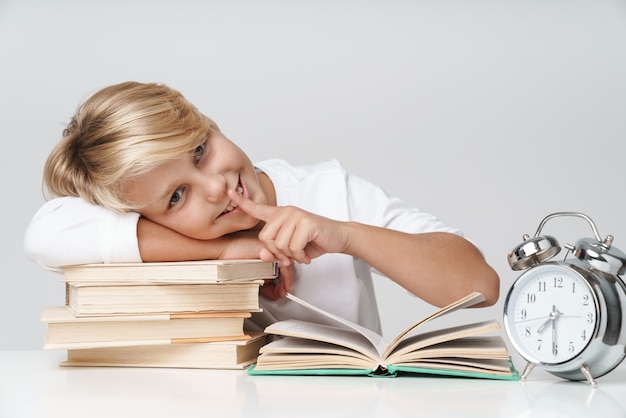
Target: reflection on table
pixel 33 385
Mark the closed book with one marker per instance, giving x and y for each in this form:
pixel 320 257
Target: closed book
pixel 214 355
pixel 127 299
pixel 66 331
pixel 204 271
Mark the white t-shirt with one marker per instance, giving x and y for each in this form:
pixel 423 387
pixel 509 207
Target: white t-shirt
pixel 69 230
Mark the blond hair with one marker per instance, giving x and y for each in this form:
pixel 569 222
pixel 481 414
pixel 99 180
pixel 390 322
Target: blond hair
pixel 120 132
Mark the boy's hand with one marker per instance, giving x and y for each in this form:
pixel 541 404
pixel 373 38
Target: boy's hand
pixel 241 244
pixel 291 233
pixel 278 288
pixel 246 244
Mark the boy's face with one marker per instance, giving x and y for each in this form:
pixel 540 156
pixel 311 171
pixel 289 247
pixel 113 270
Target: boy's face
pixel 189 196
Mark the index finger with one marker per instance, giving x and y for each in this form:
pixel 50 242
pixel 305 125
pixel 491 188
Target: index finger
pixel 252 208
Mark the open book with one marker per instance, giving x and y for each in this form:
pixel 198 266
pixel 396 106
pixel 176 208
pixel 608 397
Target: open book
pixel 350 349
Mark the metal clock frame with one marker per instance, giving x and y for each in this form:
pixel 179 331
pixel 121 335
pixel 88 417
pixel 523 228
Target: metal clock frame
pixel 599 266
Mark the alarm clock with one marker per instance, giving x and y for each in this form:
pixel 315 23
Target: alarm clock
pixel 568 316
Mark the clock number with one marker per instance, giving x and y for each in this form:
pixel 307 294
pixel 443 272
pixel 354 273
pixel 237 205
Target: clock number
pixel 531 298
pixel 574 287
pixel 527 332
pixel 571 347
pixel 539 341
pixel 585 300
pixel 542 286
pixel 590 318
pixel 584 335
pixel 558 282
pixel 523 314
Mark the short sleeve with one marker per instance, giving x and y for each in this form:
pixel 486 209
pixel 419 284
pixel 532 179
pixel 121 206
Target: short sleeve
pixel 372 205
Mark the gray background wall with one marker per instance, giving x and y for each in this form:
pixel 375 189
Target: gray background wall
pixel 490 113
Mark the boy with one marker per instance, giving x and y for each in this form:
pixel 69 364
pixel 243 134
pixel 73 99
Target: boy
pixel 141 174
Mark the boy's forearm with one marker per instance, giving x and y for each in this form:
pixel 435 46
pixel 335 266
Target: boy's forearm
pixel 437 267
pixel 158 243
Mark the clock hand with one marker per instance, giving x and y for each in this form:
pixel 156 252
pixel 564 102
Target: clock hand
pixel 548 321
pixel 554 345
pixel 531 319
pixel 554 316
pixel 543 326
pixel 551 318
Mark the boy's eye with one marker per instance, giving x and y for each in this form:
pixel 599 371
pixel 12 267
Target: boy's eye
pixel 198 153
pixel 176 196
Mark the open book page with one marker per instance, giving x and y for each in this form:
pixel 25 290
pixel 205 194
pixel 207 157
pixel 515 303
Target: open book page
pixel 312 354
pixel 376 340
pixel 469 300
pixel 349 349
pixel 291 345
pixel 475 354
pixel 382 346
pixel 432 341
pixel 325 333
pixel 476 347
pixel 428 339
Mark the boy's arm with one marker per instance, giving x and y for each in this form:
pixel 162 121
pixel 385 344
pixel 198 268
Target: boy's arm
pixel 439 267
pixel 157 243
pixel 69 230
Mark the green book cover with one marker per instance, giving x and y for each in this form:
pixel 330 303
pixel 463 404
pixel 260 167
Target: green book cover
pixel 391 372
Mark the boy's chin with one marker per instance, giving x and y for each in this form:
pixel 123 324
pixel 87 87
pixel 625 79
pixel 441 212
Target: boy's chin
pixel 244 227
pixel 250 223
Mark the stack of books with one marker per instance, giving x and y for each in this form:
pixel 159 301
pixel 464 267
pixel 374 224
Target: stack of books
pixel 178 314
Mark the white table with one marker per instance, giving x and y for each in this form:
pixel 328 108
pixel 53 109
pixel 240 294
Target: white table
pixel 32 385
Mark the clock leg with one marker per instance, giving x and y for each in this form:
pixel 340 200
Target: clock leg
pixel 529 368
pixel 585 370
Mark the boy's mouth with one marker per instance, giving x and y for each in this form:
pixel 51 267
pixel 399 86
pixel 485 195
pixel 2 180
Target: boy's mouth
pixel 231 205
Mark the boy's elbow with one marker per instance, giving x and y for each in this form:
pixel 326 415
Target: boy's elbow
pixel 489 286
pixel 38 247
pixel 32 246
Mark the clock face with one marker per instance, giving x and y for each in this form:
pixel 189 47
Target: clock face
pixel 550 314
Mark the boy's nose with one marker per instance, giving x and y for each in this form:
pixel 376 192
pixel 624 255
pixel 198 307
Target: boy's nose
pixel 214 186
